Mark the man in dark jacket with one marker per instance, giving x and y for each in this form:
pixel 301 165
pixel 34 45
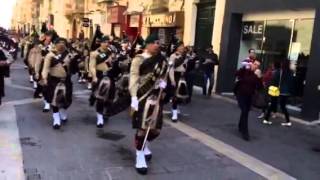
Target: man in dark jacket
pixel 210 60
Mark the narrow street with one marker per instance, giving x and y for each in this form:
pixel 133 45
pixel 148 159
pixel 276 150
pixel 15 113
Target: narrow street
pixel 203 146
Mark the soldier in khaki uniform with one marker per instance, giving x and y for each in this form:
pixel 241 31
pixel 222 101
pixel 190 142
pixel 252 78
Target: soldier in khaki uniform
pixel 148 75
pixel 176 74
pixel 100 63
pixel 57 80
pixel 46 47
pixel 34 62
pixel 27 48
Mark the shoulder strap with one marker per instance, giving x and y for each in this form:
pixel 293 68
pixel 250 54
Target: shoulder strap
pixel 101 57
pixel 56 61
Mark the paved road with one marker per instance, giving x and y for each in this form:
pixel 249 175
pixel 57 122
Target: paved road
pixel 199 148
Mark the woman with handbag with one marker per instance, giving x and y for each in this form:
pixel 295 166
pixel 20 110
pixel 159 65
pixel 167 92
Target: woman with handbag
pixel 279 91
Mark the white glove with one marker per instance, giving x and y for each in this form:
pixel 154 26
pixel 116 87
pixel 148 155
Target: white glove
pixel 162 84
pixel 134 103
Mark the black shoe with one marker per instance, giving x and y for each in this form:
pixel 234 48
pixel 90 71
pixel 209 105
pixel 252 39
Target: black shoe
pixel 174 121
pixel 45 110
pixel 56 126
pixel 100 126
pixel 246 137
pixel 142 171
pixel 105 118
pixel 64 121
pixel 148 157
pixel 37 96
pixel 92 100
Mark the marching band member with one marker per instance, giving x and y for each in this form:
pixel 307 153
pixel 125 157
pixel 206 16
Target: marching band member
pixel 57 80
pixel 147 81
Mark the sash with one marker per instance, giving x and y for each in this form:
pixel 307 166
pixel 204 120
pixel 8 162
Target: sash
pixel 102 57
pixel 153 68
pixel 59 59
pixel 179 61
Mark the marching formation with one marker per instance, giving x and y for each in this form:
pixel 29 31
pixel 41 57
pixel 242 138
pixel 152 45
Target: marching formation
pixel 142 75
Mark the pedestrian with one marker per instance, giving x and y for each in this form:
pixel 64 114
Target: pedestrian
pixel 210 60
pixel 148 76
pixel 252 57
pixel 246 85
pixel 4 72
pixel 266 80
pixel 282 79
pixel 177 75
pixel 57 80
pixel 190 70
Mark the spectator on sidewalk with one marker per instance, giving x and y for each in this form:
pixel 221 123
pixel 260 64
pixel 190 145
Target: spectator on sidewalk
pixel 190 71
pixel 246 63
pixel 266 80
pixel 247 83
pixel 4 72
pixel 282 77
pixel 210 60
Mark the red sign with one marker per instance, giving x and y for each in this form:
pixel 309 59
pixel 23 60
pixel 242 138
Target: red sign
pixel 115 14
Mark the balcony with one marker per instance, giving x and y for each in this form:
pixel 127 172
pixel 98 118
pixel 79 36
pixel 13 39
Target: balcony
pixel 71 9
pixel 158 6
pixel 68 9
pixel 105 1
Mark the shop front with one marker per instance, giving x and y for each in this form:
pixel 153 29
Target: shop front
pixel 165 25
pixel 277 35
pixel 133 26
pixel 115 16
pixel 281 39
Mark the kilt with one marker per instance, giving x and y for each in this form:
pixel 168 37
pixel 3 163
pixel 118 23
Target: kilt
pixel 120 98
pixel 137 117
pixel 49 90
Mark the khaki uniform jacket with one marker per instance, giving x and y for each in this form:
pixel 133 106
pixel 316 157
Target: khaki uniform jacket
pixel 58 70
pixel 180 68
pixel 94 67
pixel 26 47
pixel 135 78
pixel 35 59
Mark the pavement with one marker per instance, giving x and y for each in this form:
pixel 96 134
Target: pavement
pixel 204 145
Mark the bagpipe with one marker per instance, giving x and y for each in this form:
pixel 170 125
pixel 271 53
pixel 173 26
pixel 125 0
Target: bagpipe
pixel 77 60
pixel 138 40
pixel 150 68
pixel 97 35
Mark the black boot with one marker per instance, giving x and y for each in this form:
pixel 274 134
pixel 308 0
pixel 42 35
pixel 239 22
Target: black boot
pixel 92 100
pixel 246 136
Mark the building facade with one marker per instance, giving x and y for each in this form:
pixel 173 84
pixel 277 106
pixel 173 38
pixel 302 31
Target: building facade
pixel 25 16
pixel 278 30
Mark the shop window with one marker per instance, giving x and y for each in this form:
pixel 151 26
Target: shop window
pixel 281 40
pixel 299 56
